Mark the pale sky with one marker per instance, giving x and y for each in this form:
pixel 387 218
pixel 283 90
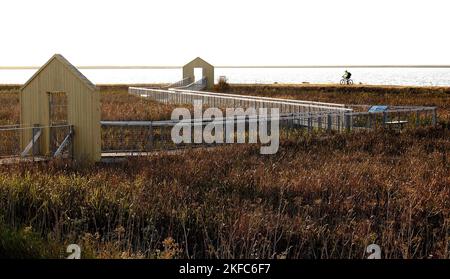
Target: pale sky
pixel 231 32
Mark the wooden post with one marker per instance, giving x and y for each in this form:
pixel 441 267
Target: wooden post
pixel 72 139
pixel 417 118
pixel 338 122
pixel 329 122
pixel 309 122
pixel 434 118
pixel 150 137
pixel 347 121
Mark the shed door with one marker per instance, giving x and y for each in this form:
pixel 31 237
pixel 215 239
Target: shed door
pixel 198 74
pixel 58 119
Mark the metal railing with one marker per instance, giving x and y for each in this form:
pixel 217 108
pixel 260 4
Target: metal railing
pixel 393 118
pixel 27 141
pixel 181 83
pixel 342 116
pixel 265 98
pixel 147 136
pixel 10 138
pixel 198 85
pixel 179 96
pixel 61 141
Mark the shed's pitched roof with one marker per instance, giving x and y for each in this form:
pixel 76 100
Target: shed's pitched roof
pixel 69 66
pixel 199 59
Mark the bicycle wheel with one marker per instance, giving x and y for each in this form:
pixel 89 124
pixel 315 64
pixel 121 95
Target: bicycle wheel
pixel 350 82
pixel 343 81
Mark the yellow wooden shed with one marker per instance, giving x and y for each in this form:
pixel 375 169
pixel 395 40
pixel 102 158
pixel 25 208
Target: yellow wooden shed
pixel 206 69
pixel 79 107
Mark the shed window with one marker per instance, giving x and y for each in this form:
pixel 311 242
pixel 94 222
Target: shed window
pixel 58 108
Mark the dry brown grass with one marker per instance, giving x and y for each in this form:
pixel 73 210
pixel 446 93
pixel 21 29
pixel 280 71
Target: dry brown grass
pixel 9 107
pixel 317 198
pixel 117 104
pixel 320 196
pixel 365 95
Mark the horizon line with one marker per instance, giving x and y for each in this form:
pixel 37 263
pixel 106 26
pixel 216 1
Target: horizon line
pixel 143 67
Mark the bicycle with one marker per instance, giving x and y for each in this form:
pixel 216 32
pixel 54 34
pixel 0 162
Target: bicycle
pixel 346 81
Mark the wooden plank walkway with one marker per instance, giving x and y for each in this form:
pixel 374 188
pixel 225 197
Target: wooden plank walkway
pixel 17 160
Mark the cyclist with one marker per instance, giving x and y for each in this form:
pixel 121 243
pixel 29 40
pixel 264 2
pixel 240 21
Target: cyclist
pixel 347 75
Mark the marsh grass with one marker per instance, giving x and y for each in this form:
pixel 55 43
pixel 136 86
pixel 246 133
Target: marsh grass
pixel 358 95
pixel 24 244
pixel 320 196
pixel 9 107
pixel 117 104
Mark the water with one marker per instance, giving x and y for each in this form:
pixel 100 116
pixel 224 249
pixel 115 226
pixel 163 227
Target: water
pixel 375 76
